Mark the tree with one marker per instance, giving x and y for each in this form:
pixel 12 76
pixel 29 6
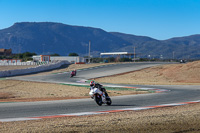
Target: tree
pixel 55 54
pixel 24 56
pixel 28 54
pixel 73 54
pixel 125 60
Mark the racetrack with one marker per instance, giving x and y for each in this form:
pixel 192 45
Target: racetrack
pixel 90 73
pixel 33 109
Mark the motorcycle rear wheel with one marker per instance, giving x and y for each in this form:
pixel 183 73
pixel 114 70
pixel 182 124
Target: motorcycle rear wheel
pixel 108 101
pixel 98 100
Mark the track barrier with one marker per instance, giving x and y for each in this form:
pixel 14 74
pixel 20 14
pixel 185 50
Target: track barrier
pixel 36 69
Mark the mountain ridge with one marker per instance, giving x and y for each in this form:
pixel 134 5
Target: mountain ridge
pixel 51 37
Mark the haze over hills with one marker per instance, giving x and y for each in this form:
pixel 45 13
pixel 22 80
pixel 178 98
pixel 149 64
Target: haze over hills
pixel 50 38
pixel 181 47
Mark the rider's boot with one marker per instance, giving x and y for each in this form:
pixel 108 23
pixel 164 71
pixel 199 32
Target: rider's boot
pixel 106 94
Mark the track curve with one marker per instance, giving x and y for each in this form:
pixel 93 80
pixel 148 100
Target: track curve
pixel 175 94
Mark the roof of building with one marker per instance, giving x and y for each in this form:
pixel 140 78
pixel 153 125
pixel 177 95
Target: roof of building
pixel 2 50
pixel 117 53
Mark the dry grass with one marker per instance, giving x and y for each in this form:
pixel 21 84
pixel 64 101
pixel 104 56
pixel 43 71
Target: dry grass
pixel 13 90
pixel 23 90
pixel 163 120
pixel 6 95
pixel 173 74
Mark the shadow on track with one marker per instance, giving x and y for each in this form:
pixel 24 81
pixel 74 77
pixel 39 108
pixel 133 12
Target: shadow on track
pixel 121 105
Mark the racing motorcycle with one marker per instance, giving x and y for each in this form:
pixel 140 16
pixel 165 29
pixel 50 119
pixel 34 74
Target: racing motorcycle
pixel 73 73
pixel 99 97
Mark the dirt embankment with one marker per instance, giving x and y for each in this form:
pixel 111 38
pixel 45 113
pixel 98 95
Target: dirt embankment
pixel 173 74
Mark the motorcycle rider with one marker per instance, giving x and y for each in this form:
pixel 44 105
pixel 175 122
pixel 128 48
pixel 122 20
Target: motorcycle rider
pixel 99 86
pixel 73 72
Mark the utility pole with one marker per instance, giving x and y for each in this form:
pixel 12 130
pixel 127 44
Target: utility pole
pixel 89 53
pixel 19 51
pixel 134 53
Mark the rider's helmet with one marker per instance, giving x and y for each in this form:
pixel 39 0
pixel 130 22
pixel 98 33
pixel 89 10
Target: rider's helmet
pixel 92 83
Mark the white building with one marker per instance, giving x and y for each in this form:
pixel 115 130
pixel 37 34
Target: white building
pixel 71 59
pixel 41 58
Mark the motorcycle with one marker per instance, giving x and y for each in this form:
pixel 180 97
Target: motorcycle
pixel 73 73
pixel 99 98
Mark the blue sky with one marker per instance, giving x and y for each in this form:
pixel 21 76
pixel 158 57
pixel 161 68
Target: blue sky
pixel 159 19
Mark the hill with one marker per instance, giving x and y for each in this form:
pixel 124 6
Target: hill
pixel 50 38
pixel 180 47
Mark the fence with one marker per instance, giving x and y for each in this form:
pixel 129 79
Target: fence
pixel 38 68
pixel 24 63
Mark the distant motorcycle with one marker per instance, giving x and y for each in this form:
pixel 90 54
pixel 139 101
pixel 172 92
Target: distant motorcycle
pixel 99 98
pixel 73 73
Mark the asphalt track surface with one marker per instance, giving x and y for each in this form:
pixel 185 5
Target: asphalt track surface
pixel 175 94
